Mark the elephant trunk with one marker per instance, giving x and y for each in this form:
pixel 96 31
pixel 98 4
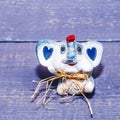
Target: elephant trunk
pixel 71 53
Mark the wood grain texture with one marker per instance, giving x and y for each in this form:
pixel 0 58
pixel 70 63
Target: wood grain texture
pixel 32 20
pixel 19 66
pixel 24 22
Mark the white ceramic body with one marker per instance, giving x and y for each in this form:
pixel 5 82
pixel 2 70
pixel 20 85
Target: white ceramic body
pixel 54 54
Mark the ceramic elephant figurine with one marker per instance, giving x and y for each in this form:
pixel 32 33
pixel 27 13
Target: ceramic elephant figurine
pixel 71 57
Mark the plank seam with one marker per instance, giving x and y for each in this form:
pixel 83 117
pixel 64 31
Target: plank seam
pixel 54 40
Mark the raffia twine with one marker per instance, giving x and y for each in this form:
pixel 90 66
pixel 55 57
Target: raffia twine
pixel 77 76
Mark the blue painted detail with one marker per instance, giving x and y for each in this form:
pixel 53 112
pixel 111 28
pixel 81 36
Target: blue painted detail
pixel 79 49
pixel 42 42
pixel 71 53
pixel 47 52
pixel 92 53
pixel 63 49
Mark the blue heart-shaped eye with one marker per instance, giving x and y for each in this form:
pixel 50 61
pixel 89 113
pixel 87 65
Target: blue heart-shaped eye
pixel 92 53
pixel 47 52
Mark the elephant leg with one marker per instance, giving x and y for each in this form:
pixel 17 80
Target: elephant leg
pixel 89 87
pixel 62 89
pixel 68 87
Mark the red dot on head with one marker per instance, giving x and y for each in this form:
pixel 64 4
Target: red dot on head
pixel 70 38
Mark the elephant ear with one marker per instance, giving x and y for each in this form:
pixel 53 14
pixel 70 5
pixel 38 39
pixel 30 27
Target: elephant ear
pixel 44 51
pixel 93 51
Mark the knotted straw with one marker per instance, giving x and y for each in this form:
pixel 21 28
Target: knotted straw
pixel 77 76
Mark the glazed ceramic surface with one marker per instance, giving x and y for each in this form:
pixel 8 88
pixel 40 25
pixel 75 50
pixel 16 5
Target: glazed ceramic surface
pixel 70 57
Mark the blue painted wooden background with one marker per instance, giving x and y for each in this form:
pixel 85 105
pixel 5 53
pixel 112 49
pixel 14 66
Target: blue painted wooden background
pixel 24 22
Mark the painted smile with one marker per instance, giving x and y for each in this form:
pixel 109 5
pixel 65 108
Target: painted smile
pixel 70 63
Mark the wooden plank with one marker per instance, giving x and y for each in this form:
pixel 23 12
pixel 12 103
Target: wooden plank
pixel 19 66
pixel 28 20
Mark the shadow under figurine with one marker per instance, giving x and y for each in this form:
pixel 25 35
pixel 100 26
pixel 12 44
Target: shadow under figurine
pixel 70 61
